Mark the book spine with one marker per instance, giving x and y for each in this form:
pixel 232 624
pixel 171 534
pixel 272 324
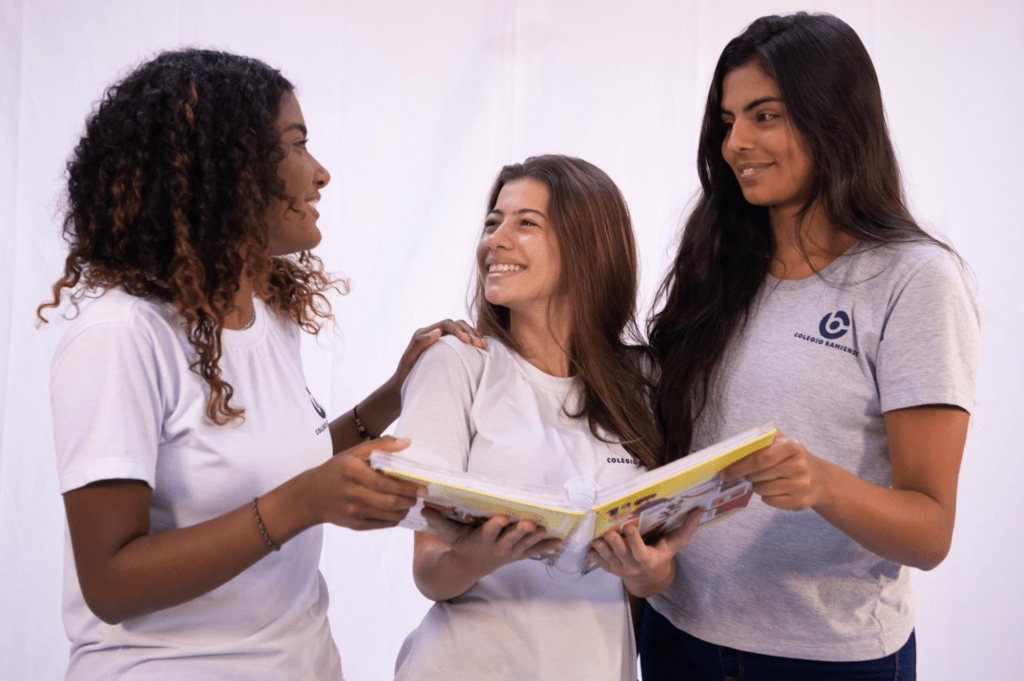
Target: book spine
pixel 573 558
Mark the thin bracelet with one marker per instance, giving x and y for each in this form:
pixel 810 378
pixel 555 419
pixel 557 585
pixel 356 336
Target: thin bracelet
pixel 364 434
pixel 263 530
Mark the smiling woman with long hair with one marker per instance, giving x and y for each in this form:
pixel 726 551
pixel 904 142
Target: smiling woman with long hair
pixel 803 290
pixel 559 393
pixel 195 465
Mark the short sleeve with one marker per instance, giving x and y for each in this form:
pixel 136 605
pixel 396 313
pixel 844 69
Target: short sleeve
pixel 437 405
pixel 107 410
pixel 928 352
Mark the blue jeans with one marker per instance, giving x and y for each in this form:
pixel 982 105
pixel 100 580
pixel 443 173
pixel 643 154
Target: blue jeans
pixel 669 654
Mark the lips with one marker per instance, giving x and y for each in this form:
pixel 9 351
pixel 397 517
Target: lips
pixel 750 169
pixel 496 268
pixel 312 203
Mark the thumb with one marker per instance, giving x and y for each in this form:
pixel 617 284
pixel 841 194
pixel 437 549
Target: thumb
pixel 681 536
pixel 384 443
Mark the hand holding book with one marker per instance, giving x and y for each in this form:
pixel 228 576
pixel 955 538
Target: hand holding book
pixel 646 570
pixel 656 504
pixel 497 542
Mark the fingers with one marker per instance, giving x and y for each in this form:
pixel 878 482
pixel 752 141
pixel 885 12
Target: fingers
pixel 604 555
pixel 516 539
pixel 546 547
pixel 460 329
pixel 384 443
pixel 681 536
pixel 758 465
pixel 475 337
pixel 446 530
pixel 490 530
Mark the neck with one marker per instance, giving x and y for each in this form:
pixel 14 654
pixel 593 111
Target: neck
pixel 244 309
pixel 543 339
pixel 804 247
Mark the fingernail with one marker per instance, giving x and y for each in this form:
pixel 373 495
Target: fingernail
pixel 403 441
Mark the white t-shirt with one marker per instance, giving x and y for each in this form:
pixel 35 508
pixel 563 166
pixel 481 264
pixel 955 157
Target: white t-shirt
pixel 127 406
pixel 889 327
pixel 491 412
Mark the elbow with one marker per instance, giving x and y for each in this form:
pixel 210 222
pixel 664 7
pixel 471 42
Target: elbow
pixel 930 555
pixel 103 608
pixel 429 589
pixel 929 560
pixel 107 602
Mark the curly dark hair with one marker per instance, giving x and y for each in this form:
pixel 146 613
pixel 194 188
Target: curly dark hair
pixel 168 193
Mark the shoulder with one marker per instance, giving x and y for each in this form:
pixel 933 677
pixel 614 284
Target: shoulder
pixel 906 260
pixel 451 353
pixel 121 318
pixel 450 362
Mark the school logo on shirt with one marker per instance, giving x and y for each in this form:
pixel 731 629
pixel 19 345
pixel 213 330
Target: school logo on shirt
pixel 833 325
pixel 319 410
pixel 316 405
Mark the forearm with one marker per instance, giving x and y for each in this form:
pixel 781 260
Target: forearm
pixel 902 525
pixel 152 572
pixel 440 573
pixel 377 411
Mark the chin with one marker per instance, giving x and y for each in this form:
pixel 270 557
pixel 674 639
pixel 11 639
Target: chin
pixel 757 198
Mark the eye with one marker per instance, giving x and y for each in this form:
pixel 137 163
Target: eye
pixel 301 144
pixel 490 224
pixel 765 116
pixel 727 125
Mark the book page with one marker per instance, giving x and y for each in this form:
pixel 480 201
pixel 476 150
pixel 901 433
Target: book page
pixel 659 500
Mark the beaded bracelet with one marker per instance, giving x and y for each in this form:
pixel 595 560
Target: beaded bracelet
pixel 364 434
pixel 263 530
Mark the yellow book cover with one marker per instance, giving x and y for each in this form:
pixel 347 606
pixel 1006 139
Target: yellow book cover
pixel 657 501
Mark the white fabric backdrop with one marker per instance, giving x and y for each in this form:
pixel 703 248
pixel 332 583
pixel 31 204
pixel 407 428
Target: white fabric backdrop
pixel 414 106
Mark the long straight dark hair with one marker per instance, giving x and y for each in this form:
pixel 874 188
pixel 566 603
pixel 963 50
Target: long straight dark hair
pixel 591 222
pixel 831 94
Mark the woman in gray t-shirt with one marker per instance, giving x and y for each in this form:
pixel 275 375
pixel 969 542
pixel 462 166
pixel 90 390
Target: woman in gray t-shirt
pixel 803 290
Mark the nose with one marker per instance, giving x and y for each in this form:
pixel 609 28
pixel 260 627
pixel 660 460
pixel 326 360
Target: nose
pixel 739 137
pixel 320 175
pixel 501 237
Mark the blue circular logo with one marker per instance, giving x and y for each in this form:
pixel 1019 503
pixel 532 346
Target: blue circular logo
pixel 316 405
pixel 834 325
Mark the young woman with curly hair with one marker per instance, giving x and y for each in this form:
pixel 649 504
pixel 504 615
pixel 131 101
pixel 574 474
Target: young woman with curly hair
pixel 195 465
pixel 804 290
pixel 560 393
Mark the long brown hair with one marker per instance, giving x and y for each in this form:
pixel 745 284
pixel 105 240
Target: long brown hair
pixel 591 222
pixel 831 92
pixel 170 185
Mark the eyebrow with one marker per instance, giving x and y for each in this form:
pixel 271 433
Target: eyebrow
pixel 754 104
pixel 296 126
pixel 518 212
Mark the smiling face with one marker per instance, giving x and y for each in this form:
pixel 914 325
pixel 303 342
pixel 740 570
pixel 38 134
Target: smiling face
pixel 518 252
pixel 292 223
pixel 772 162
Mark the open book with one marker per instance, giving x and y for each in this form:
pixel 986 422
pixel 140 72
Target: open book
pixel 657 501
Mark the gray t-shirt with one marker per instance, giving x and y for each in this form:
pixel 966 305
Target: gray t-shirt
pixel 883 328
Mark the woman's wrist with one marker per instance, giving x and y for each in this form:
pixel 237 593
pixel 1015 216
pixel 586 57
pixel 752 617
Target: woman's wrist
pixel 653 582
pixel 287 510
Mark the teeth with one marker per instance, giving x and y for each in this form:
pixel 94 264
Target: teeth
pixel 504 267
pixel 747 171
